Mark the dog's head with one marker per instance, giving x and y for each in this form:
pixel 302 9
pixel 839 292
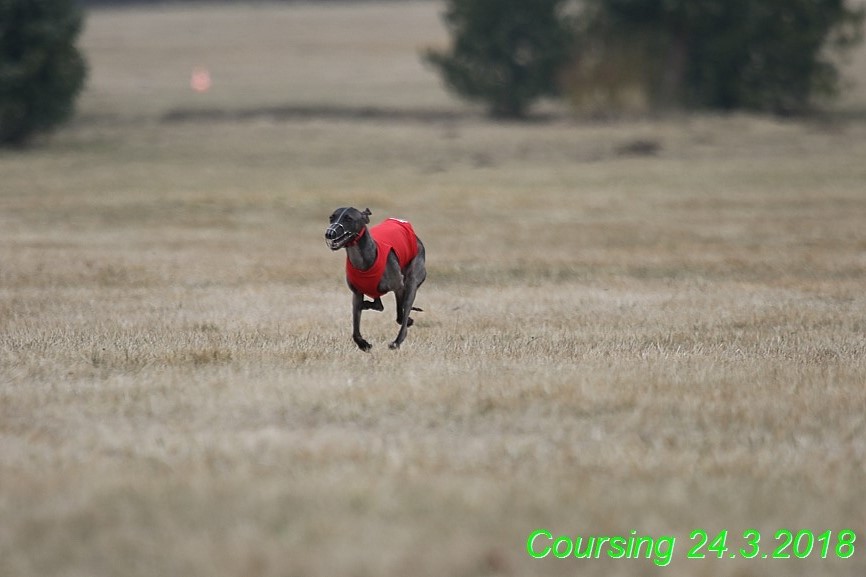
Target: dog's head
pixel 347 224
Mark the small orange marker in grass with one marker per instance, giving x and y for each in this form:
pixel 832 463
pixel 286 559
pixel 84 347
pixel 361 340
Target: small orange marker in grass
pixel 200 81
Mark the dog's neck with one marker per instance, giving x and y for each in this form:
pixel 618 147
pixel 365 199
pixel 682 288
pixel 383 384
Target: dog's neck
pixel 362 251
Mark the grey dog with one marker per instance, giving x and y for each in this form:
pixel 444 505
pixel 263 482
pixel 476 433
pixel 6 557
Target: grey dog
pixel 379 259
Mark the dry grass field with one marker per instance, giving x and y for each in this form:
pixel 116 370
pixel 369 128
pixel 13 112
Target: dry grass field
pixel 611 341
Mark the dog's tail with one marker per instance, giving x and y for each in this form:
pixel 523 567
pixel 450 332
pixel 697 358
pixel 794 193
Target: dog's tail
pixel 417 309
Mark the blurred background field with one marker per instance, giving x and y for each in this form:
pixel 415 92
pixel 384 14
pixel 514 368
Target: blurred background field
pixel 650 324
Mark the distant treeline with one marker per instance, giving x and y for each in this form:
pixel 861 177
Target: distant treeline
pixel 87 3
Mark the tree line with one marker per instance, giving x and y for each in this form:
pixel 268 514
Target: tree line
pixel 774 56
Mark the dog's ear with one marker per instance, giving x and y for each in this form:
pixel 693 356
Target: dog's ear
pixel 366 214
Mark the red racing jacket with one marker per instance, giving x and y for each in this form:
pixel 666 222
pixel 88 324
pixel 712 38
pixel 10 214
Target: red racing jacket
pixel 391 234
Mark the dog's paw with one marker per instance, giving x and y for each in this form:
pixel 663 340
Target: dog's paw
pixel 363 344
pixel 394 346
pixel 408 324
pixel 375 305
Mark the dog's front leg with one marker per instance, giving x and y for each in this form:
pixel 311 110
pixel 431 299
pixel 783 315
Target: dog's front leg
pixel 357 305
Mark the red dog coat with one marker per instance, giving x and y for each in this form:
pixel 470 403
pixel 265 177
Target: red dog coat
pixel 391 234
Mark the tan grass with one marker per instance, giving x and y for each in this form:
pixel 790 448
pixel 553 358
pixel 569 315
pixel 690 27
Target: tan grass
pixel 610 342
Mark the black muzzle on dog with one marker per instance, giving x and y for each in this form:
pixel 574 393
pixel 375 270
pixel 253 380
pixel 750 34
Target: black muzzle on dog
pixel 337 236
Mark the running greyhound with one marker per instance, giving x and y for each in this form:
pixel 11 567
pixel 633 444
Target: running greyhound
pixel 380 259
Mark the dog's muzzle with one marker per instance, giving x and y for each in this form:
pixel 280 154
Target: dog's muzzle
pixel 336 236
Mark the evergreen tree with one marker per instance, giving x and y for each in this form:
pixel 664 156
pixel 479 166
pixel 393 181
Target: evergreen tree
pixel 41 70
pixel 505 53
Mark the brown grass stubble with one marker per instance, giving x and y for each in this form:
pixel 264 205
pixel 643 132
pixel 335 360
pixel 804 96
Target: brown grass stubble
pixel 630 352
pixel 609 343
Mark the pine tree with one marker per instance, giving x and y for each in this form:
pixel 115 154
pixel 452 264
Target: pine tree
pixel 41 70
pixel 505 53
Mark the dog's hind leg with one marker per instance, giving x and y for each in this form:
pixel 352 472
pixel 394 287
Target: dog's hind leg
pixel 408 299
pixel 400 297
pixel 401 312
pixel 357 307
pixel 413 277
